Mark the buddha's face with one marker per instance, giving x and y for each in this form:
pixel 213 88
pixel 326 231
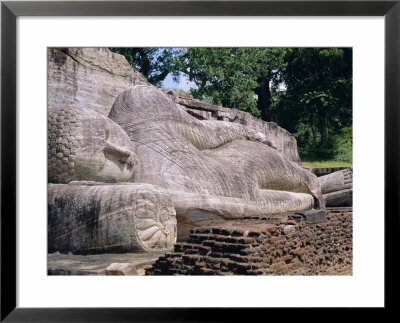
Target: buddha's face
pixel 85 145
pixel 106 153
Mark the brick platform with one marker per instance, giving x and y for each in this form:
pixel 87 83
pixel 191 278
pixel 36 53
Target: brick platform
pixel 276 245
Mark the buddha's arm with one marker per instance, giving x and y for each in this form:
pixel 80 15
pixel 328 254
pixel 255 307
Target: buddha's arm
pixel 210 134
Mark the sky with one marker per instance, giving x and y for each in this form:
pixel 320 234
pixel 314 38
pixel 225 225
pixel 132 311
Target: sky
pixel 184 83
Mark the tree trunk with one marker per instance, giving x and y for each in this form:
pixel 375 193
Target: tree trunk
pixel 264 99
pixel 314 136
pixel 323 129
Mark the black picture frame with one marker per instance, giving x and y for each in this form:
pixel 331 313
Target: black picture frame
pixel 10 10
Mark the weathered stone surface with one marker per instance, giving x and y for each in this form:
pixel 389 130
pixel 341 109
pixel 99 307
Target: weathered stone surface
pixel 89 78
pixel 121 269
pixel 313 216
pixel 73 264
pixel 93 218
pixel 339 198
pixel 336 181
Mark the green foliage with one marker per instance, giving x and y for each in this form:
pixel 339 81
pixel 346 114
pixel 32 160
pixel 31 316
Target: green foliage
pixel 219 74
pixel 234 77
pixel 318 101
pixel 339 147
pixel 343 145
pixel 307 146
pixel 154 63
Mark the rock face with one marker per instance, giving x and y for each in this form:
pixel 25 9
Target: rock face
pixel 89 78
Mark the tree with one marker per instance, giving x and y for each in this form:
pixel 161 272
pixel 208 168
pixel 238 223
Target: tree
pixel 317 102
pixel 154 63
pixel 234 77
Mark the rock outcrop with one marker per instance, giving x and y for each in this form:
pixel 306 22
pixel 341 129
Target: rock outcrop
pixel 89 78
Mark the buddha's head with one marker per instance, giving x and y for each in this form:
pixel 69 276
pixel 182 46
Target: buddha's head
pixel 85 145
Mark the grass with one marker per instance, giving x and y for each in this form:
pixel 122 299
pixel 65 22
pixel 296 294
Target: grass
pixel 325 164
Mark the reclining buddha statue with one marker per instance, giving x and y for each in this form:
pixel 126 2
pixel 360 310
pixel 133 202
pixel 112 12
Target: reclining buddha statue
pixel 127 182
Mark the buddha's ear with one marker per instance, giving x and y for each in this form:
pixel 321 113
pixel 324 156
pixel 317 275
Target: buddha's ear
pixel 120 153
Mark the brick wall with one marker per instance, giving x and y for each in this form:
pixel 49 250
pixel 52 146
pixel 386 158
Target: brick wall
pixel 278 245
